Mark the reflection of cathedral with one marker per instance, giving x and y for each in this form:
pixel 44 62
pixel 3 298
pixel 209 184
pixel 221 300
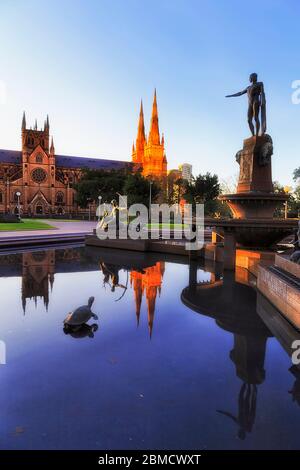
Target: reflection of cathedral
pixel 149 283
pixel 38 269
pixel 37 275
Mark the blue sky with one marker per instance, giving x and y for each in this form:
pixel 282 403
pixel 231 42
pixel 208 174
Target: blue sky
pixel 88 63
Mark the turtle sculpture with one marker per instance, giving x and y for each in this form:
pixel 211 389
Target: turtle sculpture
pixel 74 320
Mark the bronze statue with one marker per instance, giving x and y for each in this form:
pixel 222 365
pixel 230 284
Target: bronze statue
pixel 256 105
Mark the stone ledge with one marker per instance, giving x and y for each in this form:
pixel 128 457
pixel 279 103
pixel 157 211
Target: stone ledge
pixel 284 296
pixel 283 262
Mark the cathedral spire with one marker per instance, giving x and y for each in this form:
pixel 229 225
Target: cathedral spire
pixel 35 125
pixel 24 121
pixel 141 127
pixel 52 146
pixel 138 151
pixel 154 137
pixel 47 126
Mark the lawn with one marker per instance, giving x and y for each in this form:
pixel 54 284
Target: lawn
pixel 26 224
pixel 170 226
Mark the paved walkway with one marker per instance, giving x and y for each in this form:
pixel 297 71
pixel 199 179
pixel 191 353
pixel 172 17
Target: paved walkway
pixel 62 228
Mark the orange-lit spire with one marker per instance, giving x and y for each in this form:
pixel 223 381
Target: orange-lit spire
pixel 154 137
pixel 138 150
pixel 141 128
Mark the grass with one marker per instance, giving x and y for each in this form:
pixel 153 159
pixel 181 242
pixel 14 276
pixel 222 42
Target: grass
pixel 64 220
pixel 25 224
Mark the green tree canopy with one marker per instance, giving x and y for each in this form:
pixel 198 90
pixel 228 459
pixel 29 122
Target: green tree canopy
pixel 137 189
pixel 296 174
pixel 204 189
pixel 107 184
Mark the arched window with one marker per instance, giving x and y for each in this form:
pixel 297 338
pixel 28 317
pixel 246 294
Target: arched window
pixel 60 197
pixel 1 197
pixel 39 158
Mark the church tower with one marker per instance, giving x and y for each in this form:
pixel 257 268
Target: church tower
pixel 155 161
pixel 38 164
pixel 150 152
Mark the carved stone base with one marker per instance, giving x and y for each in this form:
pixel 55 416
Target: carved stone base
pixel 255 165
pixel 255 197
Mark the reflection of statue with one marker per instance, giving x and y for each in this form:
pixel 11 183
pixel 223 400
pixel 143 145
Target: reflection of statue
pixel 111 273
pixel 81 315
pixel 81 331
pixel 296 255
pixel 247 409
pixel 256 104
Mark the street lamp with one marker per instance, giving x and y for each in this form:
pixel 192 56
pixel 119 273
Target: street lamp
pixel 89 200
pixel 150 199
pixel 18 194
pixel 287 190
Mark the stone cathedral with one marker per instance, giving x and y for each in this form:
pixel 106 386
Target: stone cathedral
pixel 45 179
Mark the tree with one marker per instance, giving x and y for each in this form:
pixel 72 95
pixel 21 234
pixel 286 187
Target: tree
pixel 204 189
pixel 137 189
pixel 95 183
pixel 176 190
pixel 296 174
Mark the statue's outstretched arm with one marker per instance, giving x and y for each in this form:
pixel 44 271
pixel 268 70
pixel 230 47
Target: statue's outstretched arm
pixel 240 93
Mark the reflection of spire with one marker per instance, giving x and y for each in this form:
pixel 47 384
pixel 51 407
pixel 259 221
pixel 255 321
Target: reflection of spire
pixel 148 283
pixel 136 280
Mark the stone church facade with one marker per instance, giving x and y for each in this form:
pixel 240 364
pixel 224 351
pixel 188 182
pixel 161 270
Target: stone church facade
pixel 45 180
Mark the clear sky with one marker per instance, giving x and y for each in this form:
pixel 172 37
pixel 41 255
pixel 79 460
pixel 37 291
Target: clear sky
pixel 87 64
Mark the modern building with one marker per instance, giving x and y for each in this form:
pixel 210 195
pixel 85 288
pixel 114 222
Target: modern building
pixel 186 171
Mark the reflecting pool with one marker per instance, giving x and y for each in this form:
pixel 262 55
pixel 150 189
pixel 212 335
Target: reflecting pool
pixel 179 358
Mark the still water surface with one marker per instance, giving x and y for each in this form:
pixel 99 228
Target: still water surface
pixel 179 358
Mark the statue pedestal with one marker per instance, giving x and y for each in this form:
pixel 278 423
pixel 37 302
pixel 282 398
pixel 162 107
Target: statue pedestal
pixel 255 165
pixel 255 197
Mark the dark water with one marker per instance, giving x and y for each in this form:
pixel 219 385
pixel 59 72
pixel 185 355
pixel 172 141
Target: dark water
pixel 173 364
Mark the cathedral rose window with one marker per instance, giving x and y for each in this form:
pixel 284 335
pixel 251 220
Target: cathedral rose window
pixel 39 175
